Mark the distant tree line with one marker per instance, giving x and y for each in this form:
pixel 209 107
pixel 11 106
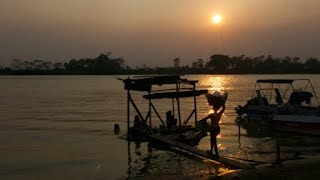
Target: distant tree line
pixel 103 64
pixel 217 64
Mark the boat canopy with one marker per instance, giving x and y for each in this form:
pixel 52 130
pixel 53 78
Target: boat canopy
pixel 280 81
pixel 175 92
pixel 180 94
pixel 145 83
pixel 281 91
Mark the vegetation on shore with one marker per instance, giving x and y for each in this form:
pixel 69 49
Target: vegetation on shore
pixel 105 64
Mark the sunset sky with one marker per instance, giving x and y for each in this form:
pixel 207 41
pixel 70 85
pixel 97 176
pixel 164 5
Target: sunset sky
pixel 154 32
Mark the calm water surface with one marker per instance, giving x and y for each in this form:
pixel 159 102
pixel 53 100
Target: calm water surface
pixel 61 127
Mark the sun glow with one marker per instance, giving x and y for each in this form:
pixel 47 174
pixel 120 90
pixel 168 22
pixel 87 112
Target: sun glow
pixel 216 19
pixel 216 83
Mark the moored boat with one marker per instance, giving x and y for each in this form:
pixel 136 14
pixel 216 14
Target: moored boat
pixel 286 103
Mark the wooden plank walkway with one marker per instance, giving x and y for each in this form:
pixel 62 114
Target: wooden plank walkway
pixel 221 159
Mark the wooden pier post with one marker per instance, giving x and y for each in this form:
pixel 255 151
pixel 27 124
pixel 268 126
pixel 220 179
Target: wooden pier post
pixel 128 112
pixel 278 161
pixel 173 112
pixel 150 124
pixel 195 105
pixel 178 105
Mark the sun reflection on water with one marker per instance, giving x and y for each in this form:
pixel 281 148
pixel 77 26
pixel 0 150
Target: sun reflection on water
pixel 216 83
pixel 221 147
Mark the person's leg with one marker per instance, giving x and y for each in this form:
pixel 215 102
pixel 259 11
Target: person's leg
pixel 214 142
pixel 211 143
pixel 216 133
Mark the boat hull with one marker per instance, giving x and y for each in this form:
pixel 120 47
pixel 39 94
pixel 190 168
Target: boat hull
pixel 297 123
pixel 293 123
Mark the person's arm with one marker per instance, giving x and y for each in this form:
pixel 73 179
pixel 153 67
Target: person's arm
pixel 222 110
pixel 207 117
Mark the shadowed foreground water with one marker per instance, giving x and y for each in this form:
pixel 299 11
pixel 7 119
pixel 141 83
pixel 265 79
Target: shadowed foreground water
pixel 61 127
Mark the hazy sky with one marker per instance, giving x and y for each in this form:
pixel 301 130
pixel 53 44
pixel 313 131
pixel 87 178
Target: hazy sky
pixel 154 32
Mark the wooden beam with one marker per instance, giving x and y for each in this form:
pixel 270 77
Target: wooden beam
pixel 189 117
pixel 178 104
pixel 150 123
pixel 195 105
pixel 128 111
pixel 175 94
pixel 157 114
pixel 173 112
pixel 221 159
pixel 148 115
pixel 136 108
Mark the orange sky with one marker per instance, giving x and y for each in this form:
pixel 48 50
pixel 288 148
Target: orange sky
pixel 154 32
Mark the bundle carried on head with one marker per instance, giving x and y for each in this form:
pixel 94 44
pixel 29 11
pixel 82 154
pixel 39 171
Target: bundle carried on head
pixel 216 99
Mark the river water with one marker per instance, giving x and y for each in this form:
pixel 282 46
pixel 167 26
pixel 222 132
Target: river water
pixel 61 127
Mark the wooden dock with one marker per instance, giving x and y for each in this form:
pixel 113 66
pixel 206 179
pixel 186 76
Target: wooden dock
pixel 202 153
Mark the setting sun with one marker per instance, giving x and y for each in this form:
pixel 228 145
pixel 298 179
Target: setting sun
pixel 216 19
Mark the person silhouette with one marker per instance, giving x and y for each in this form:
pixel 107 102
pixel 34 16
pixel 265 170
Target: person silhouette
pixel 116 129
pixel 137 124
pixel 170 120
pixel 214 129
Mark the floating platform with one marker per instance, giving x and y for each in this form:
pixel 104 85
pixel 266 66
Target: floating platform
pixel 189 135
pixel 180 88
pixel 202 153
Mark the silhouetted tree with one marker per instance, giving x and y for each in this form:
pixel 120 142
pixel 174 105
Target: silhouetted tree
pixel 197 66
pixel 16 65
pixel 218 62
pixel 104 64
pixel 176 63
pixel 58 66
pixel 297 65
pixel 286 63
pixel 270 64
pixel 312 65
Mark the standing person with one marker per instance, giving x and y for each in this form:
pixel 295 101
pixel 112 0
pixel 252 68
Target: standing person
pixel 214 129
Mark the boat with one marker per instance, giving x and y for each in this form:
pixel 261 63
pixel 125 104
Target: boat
pixel 172 88
pixel 287 104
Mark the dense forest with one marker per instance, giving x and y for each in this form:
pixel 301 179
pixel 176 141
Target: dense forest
pixel 106 64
